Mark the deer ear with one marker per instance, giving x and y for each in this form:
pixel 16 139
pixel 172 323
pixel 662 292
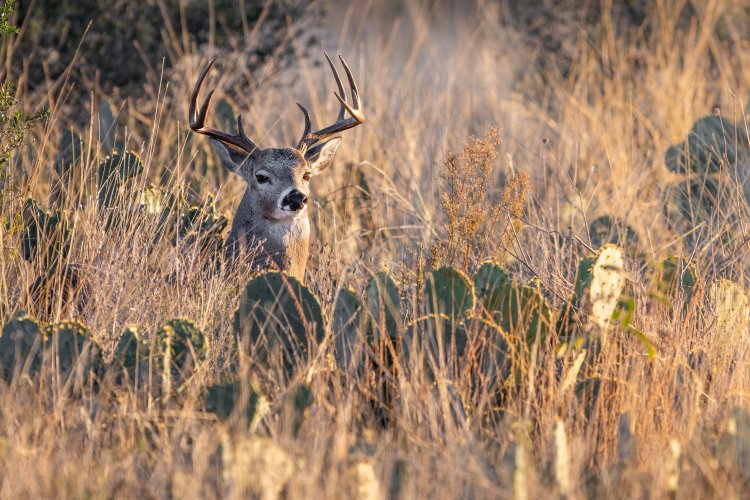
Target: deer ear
pixel 321 156
pixel 231 158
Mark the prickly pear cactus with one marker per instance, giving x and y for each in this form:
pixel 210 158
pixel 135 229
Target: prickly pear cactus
pixel 348 329
pixel 517 308
pixel 710 146
pixel 732 451
pixel 69 155
pixel 130 352
pixel 182 347
pixel 449 292
pixel 46 236
pixel 236 402
pixel 677 279
pixel 433 342
pixel 225 116
pixel 113 176
pixel 204 226
pixel 384 304
pixel 694 201
pixel 152 200
pixel 279 320
pixel 599 284
pixel 297 401
pixel 107 125
pixel 72 353
pixel 607 229
pixel 20 346
pixel 491 284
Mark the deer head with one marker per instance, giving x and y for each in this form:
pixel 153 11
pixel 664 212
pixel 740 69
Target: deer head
pixel 273 208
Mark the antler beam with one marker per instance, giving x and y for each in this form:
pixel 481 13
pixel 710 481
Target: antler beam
pixel 198 118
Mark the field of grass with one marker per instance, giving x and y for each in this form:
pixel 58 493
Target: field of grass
pixel 492 133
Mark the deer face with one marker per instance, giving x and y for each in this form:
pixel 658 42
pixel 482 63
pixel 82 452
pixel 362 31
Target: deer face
pixel 278 179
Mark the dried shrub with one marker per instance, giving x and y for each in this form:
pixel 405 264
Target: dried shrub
pixel 476 225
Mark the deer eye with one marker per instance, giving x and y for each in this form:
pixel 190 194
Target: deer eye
pixel 262 179
pixel 306 176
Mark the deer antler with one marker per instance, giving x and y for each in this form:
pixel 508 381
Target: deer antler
pixel 310 138
pixel 198 118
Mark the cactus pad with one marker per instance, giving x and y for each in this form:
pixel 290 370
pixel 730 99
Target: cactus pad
pixel 20 345
pixel 384 303
pixel 236 400
pixel 182 347
pixel 514 306
pixel 449 292
pixel 348 329
pixel 279 318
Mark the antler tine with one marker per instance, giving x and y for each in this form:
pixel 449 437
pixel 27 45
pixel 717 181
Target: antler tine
pixel 198 118
pixel 308 128
pixel 342 109
pixel 355 109
pixel 352 85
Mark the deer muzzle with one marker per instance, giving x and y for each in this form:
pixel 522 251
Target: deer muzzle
pixel 295 201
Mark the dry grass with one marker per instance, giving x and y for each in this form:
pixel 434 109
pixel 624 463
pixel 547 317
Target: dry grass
pixel 591 140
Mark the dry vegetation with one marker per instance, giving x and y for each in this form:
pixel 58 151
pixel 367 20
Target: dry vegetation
pixel 547 148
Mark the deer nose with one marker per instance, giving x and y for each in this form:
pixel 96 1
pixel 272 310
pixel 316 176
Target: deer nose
pixel 295 200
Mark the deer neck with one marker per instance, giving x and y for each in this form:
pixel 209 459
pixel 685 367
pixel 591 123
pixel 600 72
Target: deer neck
pixel 284 243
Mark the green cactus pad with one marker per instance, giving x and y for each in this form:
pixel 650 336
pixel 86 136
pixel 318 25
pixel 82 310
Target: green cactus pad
pixel 384 303
pixel 279 318
pixel 46 236
pixel 204 226
pixel 607 229
pixel 489 348
pixel 69 346
pixel 182 347
pixel 69 154
pixel 348 329
pixel 236 401
pixel 491 283
pixel 129 350
pixel 152 200
pixel 20 346
pixel 296 403
pixel 678 278
pixel 107 125
pixel 689 202
pixel 449 292
pixel 438 337
pixel 513 306
pixel 710 146
pixel 112 174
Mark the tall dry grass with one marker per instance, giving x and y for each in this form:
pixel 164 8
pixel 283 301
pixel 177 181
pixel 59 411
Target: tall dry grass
pixel 591 137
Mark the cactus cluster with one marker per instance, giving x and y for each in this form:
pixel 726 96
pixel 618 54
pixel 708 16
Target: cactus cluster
pixel 62 350
pixel 67 352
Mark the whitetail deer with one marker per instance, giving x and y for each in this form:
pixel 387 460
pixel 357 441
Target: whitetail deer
pixel 272 211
